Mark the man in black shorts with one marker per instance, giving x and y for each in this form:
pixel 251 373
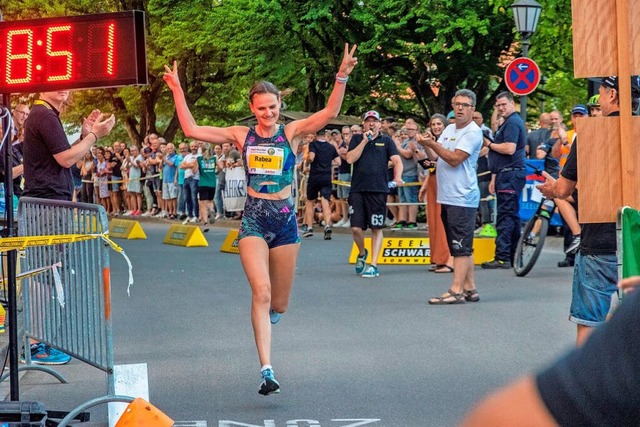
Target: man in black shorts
pixel 369 153
pixel 456 151
pixel 322 156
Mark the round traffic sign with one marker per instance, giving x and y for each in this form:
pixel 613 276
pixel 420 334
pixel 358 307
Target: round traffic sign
pixel 522 76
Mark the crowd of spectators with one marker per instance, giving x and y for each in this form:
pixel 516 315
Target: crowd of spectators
pixel 151 180
pixel 163 180
pixel 403 202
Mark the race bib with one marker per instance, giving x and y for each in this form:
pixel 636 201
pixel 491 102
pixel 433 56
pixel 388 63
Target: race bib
pixel 265 160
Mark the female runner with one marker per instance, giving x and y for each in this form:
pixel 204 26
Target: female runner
pixel 268 235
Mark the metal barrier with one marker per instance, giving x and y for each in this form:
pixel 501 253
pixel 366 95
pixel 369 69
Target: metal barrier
pixel 68 306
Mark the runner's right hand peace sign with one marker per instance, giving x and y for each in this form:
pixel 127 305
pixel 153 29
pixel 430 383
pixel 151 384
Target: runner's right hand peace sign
pixel 171 76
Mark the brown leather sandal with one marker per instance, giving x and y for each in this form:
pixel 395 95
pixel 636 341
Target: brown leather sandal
pixel 444 269
pixel 471 296
pixel 448 298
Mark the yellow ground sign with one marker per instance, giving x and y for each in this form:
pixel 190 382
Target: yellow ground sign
pixel 185 235
pixel 230 243
pixel 416 251
pixel 126 229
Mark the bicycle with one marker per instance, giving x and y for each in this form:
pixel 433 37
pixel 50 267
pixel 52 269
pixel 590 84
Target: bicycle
pixel 533 236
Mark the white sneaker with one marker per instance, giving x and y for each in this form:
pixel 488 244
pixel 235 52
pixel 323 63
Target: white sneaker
pixel 188 219
pixel 339 223
pixel 346 224
pixel 147 213
pixel 194 219
pixel 127 213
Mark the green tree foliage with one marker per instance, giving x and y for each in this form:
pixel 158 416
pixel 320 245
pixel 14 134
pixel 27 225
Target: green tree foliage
pixel 413 56
pixel 552 49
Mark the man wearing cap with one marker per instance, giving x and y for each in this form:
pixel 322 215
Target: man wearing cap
pixel 506 161
pixel 322 157
pixel 336 138
pixel 596 274
pixel 563 144
pixel 369 153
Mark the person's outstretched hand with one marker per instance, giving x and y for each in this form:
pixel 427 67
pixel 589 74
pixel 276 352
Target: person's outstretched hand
pixel 348 61
pixel 171 76
pixel 87 122
pixel 102 127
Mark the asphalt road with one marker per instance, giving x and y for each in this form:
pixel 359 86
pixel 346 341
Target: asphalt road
pixel 348 349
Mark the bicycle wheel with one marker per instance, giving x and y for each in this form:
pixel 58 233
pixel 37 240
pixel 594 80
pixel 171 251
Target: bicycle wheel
pixel 530 245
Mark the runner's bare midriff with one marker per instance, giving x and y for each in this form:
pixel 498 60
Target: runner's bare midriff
pixel 285 193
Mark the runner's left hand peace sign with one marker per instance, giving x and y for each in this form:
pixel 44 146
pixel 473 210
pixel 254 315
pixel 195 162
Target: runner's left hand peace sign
pixel 348 61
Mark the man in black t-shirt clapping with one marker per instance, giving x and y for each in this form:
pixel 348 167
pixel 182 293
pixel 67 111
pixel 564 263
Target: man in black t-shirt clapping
pixel 47 154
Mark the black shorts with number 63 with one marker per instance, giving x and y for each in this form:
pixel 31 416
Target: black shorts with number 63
pixel 367 209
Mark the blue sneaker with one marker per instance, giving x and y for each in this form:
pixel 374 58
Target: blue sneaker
pixel 361 262
pixel 268 385
pixel 42 354
pixel 371 271
pixel 274 316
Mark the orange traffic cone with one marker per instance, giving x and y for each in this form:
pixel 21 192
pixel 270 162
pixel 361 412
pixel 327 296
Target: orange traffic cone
pixel 141 413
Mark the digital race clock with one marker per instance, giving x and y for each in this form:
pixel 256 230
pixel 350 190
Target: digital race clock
pixel 85 51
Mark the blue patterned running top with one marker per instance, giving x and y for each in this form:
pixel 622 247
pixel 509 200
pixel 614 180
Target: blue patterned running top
pixel 268 162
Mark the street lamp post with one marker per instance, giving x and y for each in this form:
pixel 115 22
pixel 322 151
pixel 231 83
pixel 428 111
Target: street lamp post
pixel 525 14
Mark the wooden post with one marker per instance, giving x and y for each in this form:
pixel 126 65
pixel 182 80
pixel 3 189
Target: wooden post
pixel 624 77
pixel 606 42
